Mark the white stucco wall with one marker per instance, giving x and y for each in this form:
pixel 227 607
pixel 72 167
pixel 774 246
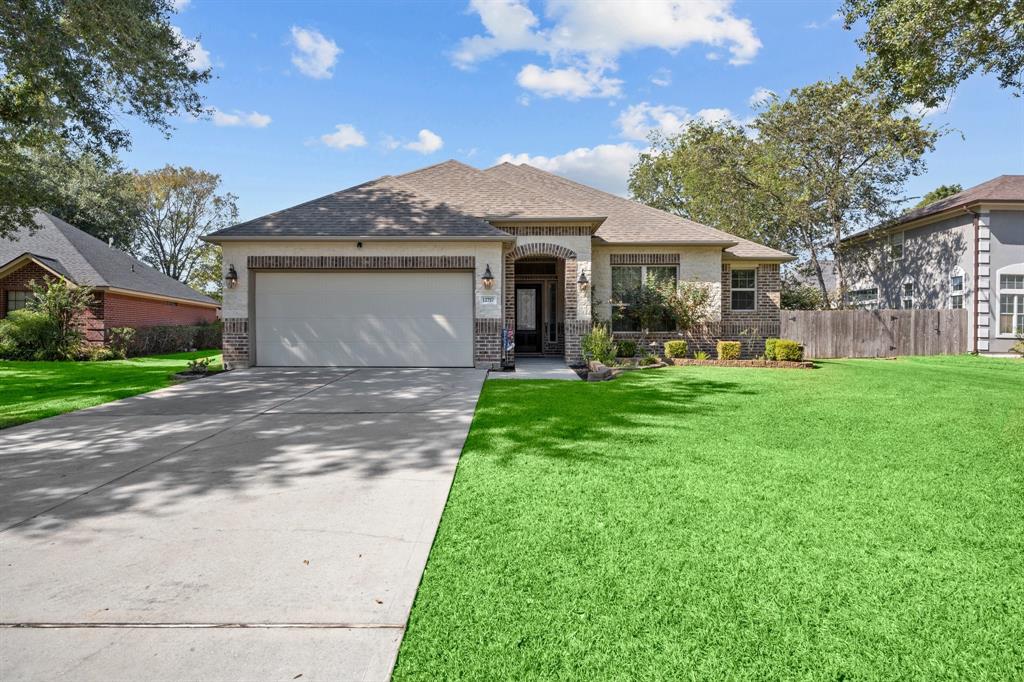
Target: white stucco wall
pixel 236 301
pixel 696 263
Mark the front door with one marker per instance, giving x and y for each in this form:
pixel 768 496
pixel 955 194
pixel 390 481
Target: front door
pixel 528 318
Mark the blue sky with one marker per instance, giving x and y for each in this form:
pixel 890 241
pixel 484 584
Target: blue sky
pixel 314 97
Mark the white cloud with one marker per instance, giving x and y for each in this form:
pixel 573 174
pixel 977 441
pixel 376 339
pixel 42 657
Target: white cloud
pixel 712 56
pixel 918 110
pixel 344 136
pixel 605 166
pixel 523 100
pixel 637 121
pixel 179 5
pixel 252 119
pixel 760 96
pixel 570 83
pixel 428 142
pixel 315 53
pixel 590 36
pixel 199 57
pixel 662 78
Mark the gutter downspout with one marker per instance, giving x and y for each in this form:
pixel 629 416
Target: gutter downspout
pixel 973 326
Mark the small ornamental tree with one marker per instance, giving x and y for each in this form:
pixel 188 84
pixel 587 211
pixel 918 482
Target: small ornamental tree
pixel 63 305
pixel 690 305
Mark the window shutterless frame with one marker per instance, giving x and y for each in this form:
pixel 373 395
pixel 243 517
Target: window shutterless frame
pixel 743 281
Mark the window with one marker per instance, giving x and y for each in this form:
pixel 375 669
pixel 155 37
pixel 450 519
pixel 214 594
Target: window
pixel 626 283
pixel 744 289
pixel 956 289
pixel 896 245
pixel 907 298
pixel 16 300
pixel 1011 304
pixel 863 298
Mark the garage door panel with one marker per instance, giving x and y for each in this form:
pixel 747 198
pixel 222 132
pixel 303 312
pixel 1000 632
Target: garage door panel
pixel 364 319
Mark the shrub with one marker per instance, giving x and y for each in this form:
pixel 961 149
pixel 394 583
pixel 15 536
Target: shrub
pixel 63 305
pixel 95 353
pixel 626 349
pixel 176 339
pixel 26 335
pixel 675 349
pixel 769 348
pixel 119 340
pixel 649 359
pixel 728 350
pixel 691 304
pixel 199 366
pixel 787 349
pixel 1018 348
pixel 701 355
pixel 597 345
pixel 208 336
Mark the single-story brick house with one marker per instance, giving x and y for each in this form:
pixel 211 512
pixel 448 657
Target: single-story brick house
pixel 127 292
pixel 433 267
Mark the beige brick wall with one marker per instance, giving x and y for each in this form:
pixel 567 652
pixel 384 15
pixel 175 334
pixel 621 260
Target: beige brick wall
pixel 696 263
pixel 236 301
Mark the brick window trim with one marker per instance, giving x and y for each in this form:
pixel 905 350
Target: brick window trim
pixel 644 259
pixel 361 262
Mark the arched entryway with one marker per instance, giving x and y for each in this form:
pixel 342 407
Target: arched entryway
pixel 541 301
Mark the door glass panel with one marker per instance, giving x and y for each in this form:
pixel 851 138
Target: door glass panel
pixel 526 309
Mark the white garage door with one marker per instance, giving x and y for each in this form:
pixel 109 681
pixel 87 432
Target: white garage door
pixel 364 319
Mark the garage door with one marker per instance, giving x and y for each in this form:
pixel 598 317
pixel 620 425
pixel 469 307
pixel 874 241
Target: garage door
pixel 364 319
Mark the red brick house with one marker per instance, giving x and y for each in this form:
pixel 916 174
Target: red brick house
pixel 128 293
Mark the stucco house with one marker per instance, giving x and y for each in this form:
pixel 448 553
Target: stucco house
pixel 964 251
pixel 126 291
pixel 437 266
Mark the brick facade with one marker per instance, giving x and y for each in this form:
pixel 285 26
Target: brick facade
pixel 487 343
pixel 110 309
pixel 767 306
pixel 236 342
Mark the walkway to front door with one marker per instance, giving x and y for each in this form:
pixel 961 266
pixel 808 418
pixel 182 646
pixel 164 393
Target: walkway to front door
pixel 538 368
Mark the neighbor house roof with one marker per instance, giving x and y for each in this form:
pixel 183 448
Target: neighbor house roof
pixel 453 200
pixel 1005 188
pixel 87 261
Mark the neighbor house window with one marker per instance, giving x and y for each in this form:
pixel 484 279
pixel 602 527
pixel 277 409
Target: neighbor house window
pixel 896 245
pixel 956 290
pixel 744 289
pixel 16 300
pixel 907 296
pixel 1011 304
pixel 627 281
pixel 863 298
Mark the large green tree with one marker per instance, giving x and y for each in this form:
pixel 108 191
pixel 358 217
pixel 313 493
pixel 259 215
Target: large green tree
pixel 178 207
pixel 72 69
pixel 825 161
pixel 919 50
pixel 939 193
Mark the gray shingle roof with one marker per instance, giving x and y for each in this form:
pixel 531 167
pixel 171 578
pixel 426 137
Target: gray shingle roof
pixel 1002 188
pixel 451 199
pixel 386 207
pixel 90 262
pixel 627 220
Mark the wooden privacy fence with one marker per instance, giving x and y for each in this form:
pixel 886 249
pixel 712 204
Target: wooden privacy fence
pixel 876 333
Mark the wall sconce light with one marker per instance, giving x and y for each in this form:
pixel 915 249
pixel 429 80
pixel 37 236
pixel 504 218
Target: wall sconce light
pixel 488 279
pixel 582 280
pixel 232 277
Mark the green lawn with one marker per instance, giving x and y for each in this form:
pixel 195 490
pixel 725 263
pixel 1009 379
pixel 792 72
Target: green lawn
pixel 33 390
pixel 864 520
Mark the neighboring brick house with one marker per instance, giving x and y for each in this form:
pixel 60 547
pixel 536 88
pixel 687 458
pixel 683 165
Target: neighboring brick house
pixel 964 251
pixel 432 267
pixel 126 291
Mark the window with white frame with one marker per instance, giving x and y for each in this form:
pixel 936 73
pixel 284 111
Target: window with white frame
pixel 956 289
pixel 863 298
pixel 1011 304
pixel 744 289
pixel 907 294
pixel 16 300
pixel 896 245
pixel 627 281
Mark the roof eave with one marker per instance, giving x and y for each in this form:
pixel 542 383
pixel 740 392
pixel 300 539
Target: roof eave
pixel 217 239
pixel 29 257
pixel 670 242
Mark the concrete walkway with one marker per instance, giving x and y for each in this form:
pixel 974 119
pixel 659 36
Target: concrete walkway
pixel 264 524
pixel 538 368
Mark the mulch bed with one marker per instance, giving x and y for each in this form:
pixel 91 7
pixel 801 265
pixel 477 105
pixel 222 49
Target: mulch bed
pixel 777 364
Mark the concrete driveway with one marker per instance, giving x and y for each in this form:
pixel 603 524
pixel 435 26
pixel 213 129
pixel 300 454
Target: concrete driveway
pixel 264 524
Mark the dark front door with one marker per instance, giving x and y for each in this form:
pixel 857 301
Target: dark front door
pixel 528 318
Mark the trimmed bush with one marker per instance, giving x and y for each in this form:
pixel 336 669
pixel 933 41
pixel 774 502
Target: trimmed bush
pixel 176 339
pixel 597 345
pixel 676 349
pixel 26 335
pixel 119 340
pixel 626 349
pixel 787 349
pixel 649 359
pixel 769 348
pixel 728 350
